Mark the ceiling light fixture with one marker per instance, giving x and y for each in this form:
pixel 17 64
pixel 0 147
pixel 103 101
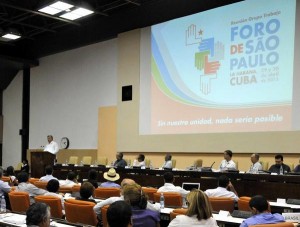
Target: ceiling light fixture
pixel 56 8
pixel 10 34
pixel 77 13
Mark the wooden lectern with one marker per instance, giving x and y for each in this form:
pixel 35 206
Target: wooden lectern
pixel 39 160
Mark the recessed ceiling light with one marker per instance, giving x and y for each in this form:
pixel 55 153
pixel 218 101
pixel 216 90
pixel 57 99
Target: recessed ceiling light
pixel 11 36
pixel 77 13
pixel 56 8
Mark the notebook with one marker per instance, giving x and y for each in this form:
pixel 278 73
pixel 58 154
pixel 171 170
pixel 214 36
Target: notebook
pixel 190 186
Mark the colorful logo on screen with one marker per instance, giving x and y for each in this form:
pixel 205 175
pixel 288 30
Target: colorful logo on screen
pixel 207 58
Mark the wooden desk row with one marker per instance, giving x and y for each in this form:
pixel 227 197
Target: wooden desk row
pixel 271 186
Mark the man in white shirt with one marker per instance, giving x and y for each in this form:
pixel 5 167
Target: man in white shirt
pixel 256 166
pixel 227 163
pixel 49 176
pixel 168 162
pixel 170 187
pixel 223 189
pixel 52 146
pixel 70 181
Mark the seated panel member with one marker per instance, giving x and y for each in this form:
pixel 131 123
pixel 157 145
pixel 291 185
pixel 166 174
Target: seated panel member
pixel 223 189
pixel 256 166
pixel 279 163
pixel 261 215
pixel 120 162
pixel 140 161
pixel 227 163
pixel 168 162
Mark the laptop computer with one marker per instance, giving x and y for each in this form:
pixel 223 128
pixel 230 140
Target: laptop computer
pixel 190 186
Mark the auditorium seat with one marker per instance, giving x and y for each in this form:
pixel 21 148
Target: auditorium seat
pixel 104 193
pixel 73 160
pixel 65 189
pixel 19 201
pixel 102 160
pixel 198 163
pixel 53 202
pixel 87 160
pixel 32 180
pixel 176 212
pixel 41 184
pixel 5 179
pixel 173 163
pixel 172 199
pixel 265 165
pixel 78 211
pixel 149 192
pixel 221 203
pixel 104 215
pixel 147 163
pixel 243 203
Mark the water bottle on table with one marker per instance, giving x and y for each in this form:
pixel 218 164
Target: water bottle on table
pixel 3 205
pixel 162 201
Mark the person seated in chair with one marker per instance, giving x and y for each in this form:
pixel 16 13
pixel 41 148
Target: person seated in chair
pixel 38 214
pixel 224 189
pixel 140 161
pixel 256 166
pixel 279 165
pixel 25 186
pixel 70 181
pixel 10 172
pixel 120 162
pixel 199 212
pixel 52 188
pixel 141 216
pixel 261 214
pixel 92 177
pixel 168 162
pixel 111 176
pixel 119 214
pixel 227 163
pixel 86 192
pixel 49 176
pixel 170 187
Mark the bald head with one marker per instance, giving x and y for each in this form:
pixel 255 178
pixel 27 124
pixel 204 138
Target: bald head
pixel 127 181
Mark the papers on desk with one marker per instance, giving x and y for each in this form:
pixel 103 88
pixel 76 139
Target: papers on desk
pixel 15 219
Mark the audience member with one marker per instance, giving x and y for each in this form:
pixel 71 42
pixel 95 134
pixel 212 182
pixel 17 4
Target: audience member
pixel 255 166
pixel 38 214
pixel 86 192
pixel 261 215
pixel 111 176
pixel 278 164
pixel 4 187
pixel 227 163
pixel 224 189
pixel 140 161
pixel 199 212
pixel 52 188
pixel 168 162
pixel 25 166
pixel 10 172
pixel 93 178
pixel 70 181
pixel 134 195
pixel 119 214
pixel 120 162
pixel 25 186
pixel 170 187
pixel 48 172
pixel 125 181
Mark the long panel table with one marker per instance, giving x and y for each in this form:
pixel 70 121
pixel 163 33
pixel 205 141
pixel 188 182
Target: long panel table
pixel 271 186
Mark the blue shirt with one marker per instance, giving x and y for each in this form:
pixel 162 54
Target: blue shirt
pixel 144 218
pixel 109 184
pixel 263 218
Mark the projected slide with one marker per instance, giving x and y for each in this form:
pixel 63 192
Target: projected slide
pixel 228 69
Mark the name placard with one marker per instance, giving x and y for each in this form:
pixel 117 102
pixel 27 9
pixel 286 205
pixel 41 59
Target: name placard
pixel 291 217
